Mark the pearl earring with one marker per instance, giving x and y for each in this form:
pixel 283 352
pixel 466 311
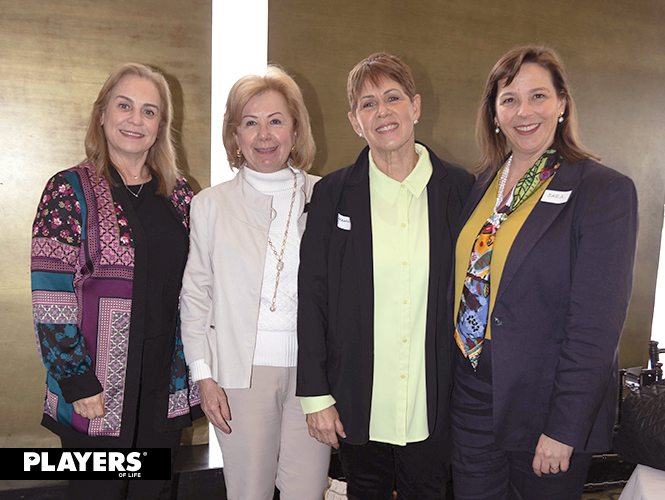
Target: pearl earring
pixel 497 130
pixel 360 134
pixel 415 122
pixel 561 118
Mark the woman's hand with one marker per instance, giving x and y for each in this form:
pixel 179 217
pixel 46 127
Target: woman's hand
pixel 551 456
pixel 325 425
pixel 91 407
pixel 215 405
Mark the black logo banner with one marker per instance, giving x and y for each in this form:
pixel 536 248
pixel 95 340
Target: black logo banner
pixel 59 464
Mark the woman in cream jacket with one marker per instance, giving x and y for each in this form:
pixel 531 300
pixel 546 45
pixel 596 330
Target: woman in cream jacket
pixel 240 298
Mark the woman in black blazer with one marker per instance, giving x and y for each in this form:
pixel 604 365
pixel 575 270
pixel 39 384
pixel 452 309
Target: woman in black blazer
pixel 542 284
pixel 374 330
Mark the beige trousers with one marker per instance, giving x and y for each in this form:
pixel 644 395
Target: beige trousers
pixel 269 443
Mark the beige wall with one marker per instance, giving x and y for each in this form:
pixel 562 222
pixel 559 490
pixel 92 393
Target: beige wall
pixel 55 57
pixel 615 56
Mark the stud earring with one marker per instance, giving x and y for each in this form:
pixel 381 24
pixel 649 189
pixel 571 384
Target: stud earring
pixel 497 130
pixel 415 122
pixel 360 134
pixel 561 118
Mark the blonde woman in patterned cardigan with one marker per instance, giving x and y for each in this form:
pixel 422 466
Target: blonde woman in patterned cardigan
pixel 110 242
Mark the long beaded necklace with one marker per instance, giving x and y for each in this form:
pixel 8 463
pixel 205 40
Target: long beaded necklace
pixel 496 218
pixel 280 256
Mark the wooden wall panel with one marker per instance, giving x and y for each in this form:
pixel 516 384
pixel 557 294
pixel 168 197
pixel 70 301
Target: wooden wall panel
pixel 614 53
pixel 54 58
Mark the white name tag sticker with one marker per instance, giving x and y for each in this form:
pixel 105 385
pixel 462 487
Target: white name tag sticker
pixel 556 197
pixel 344 222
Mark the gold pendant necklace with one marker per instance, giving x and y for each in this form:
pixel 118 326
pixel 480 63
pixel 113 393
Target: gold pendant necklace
pixel 280 256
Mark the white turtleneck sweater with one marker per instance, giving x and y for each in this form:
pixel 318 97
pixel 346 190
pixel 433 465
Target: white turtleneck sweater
pixel 276 338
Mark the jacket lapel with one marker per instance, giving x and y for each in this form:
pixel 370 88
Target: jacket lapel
pixel 539 220
pixel 440 228
pixel 355 200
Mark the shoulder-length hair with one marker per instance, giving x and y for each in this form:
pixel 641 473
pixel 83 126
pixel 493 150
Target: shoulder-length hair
pixel 161 159
pixel 493 146
pixel 275 78
pixel 374 69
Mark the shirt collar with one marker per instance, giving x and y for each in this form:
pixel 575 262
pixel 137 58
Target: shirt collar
pixel 416 182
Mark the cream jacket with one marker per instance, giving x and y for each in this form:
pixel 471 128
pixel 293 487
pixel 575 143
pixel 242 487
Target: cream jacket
pixel 221 288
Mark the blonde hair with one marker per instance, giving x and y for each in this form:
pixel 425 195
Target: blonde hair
pixel 494 146
pixel 304 149
pixel 161 159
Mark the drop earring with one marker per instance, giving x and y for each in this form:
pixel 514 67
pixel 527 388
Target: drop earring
pixel 561 118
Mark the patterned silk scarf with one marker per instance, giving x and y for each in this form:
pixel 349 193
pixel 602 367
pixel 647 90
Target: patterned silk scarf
pixel 474 304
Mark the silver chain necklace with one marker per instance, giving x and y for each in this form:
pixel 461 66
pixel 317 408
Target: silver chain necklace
pixel 280 256
pixel 136 195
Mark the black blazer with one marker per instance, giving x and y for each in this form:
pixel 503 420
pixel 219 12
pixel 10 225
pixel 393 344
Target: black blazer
pixel 559 311
pixel 336 294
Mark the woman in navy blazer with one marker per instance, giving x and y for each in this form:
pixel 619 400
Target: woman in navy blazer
pixel 538 327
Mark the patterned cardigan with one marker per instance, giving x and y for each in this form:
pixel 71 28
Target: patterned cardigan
pixel 82 269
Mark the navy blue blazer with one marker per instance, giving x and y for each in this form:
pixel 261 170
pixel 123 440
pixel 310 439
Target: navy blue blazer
pixel 336 293
pixel 560 308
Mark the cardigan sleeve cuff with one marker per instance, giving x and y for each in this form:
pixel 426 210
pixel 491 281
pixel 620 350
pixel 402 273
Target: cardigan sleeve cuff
pixel 312 404
pixel 80 386
pixel 199 370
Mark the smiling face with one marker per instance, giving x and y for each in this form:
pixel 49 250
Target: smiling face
pixel 385 116
pixel 266 132
pixel 527 111
pixel 131 120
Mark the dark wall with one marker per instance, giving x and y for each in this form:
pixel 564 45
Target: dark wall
pixel 615 57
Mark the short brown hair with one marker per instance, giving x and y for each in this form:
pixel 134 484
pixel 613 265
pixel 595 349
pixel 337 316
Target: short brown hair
pixel 250 86
pixel 375 68
pixel 161 159
pixel 494 146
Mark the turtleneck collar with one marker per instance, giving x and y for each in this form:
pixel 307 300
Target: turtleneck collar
pixel 270 182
